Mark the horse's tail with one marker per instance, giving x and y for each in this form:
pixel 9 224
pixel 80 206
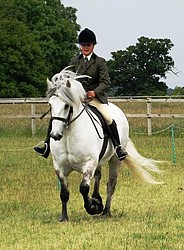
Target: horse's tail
pixel 139 165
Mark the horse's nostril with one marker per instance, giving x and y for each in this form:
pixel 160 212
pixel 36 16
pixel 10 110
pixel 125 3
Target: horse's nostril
pixel 60 136
pixel 56 137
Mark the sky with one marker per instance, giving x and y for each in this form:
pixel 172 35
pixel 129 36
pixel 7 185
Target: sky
pixel 119 23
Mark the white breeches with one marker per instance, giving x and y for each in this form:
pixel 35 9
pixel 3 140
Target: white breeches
pixel 103 108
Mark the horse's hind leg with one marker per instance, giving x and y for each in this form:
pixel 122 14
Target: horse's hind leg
pixel 96 194
pixel 114 165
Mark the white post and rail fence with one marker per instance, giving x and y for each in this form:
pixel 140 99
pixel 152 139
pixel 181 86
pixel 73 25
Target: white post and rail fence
pixel 33 116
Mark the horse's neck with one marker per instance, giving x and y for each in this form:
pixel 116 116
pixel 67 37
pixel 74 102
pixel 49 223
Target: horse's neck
pixel 77 116
pixel 81 130
pixel 77 109
pixel 80 118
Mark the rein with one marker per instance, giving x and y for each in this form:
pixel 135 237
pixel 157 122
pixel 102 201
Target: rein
pixel 91 116
pixel 68 121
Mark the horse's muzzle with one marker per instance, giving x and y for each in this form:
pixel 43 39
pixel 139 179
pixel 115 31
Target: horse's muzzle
pixel 56 137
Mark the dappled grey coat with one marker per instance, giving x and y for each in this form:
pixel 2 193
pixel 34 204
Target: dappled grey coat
pixel 96 67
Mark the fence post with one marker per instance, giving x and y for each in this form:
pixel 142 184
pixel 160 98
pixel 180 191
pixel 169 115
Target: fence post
pixel 33 119
pixel 148 116
pixel 173 146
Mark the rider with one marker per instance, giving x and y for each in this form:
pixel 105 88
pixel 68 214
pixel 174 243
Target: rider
pixel 88 63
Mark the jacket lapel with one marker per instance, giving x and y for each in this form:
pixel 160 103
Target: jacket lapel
pixel 84 66
pixel 81 65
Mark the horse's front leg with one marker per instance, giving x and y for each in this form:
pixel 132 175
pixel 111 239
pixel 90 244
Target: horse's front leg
pixel 92 205
pixel 64 196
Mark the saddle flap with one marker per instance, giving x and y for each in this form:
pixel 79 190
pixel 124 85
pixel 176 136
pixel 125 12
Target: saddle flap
pixel 104 128
pixel 100 117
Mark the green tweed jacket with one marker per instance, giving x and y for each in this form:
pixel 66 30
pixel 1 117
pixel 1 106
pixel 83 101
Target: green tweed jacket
pixel 96 67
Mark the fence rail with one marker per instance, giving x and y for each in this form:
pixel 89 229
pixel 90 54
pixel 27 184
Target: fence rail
pixel 148 114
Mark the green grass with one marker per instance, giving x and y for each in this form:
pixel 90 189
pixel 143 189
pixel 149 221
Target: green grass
pixel 144 217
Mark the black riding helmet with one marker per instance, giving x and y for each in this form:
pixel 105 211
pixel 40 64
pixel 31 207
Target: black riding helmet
pixel 87 36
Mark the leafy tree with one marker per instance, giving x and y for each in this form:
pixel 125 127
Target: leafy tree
pixel 141 68
pixel 22 69
pixel 37 39
pixel 178 91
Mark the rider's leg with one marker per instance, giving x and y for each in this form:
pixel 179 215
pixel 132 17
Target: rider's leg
pixel 45 150
pixel 113 132
pixel 120 151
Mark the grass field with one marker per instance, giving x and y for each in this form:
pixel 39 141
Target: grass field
pixel 144 217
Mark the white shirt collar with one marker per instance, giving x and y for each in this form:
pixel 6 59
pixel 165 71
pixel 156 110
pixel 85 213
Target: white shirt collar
pixel 88 57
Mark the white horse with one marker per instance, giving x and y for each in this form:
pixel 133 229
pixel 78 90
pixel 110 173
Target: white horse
pixel 77 139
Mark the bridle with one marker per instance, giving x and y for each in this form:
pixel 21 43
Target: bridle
pixel 67 120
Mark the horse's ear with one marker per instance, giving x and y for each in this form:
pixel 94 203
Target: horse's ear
pixel 50 85
pixel 68 84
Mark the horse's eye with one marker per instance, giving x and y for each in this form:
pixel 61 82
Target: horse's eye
pixel 66 106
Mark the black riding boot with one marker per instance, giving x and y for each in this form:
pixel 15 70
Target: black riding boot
pixel 120 151
pixel 45 150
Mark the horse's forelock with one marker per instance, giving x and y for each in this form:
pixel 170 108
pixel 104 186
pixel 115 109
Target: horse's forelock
pixel 66 95
pixel 69 88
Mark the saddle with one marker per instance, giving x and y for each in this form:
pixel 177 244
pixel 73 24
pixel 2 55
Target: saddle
pixel 104 127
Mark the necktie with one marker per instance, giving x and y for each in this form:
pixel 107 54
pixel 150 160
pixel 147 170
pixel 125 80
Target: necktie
pixel 85 60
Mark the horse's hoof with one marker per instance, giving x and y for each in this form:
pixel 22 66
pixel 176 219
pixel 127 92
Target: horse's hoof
pixel 106 214
pixel 95 207
pixel 63 218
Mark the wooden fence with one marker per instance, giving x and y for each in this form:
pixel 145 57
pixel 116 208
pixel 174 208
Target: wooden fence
pixel 148 112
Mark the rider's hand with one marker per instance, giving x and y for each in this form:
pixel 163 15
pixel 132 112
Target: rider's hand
pixel 91 95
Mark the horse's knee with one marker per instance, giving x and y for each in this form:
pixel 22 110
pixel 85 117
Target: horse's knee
pixel 84 189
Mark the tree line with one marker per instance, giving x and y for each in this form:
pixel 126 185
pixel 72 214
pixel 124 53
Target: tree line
pixel 38 38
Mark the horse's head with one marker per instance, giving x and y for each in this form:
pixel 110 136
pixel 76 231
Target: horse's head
pixel 65 94
pixel 60 116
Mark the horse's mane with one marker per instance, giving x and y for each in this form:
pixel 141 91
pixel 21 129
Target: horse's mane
pixel 66 85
